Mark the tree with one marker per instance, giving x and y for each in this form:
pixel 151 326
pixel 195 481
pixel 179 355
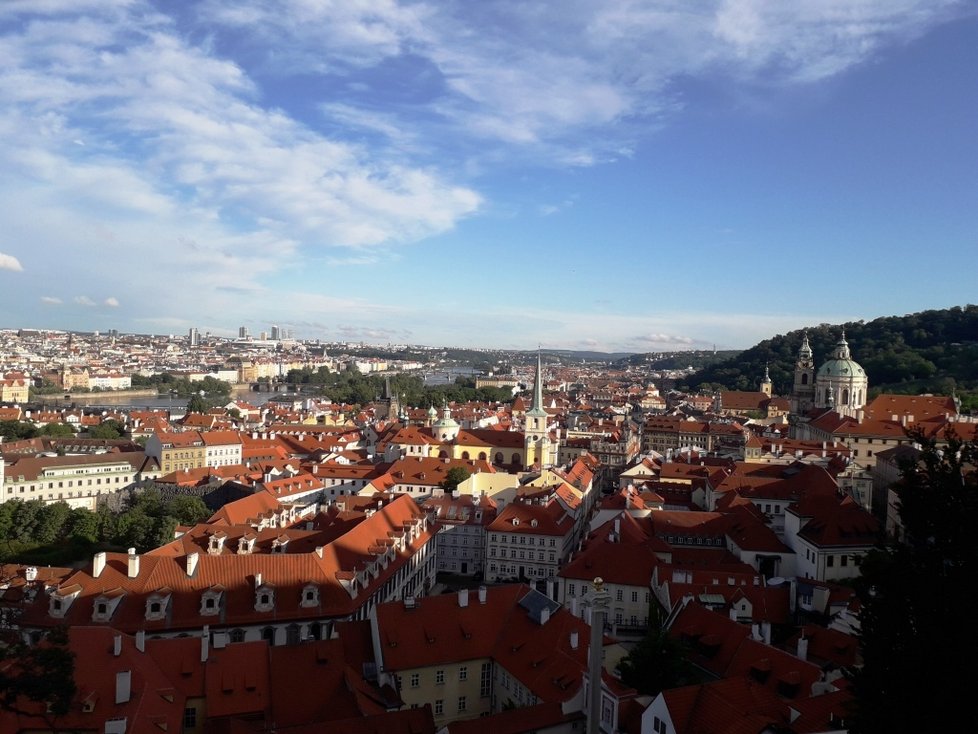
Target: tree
pixel 43 673
pixel 917 637
pixel 454 477
pixel 197 404
pixel 16 430
pixel 656 663
pixel 83 525
pixel 62 430
pixel 51 522
pixel 187 509
pixel 107 429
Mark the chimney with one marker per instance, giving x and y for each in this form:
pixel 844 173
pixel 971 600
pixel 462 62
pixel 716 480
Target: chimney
pixel 573 606
pixel 544 615
pixel 257 579
pixel 123 686
pixel 141 640
pixel 98 565
pixel 733 614
pixel 803 648
pixel 192 559
pixel 617 525
pixel 766 632
pixel 117 645
pixel 205 643
pixel 482 594
pixel 133 570
pixel 463 598
pixel 319 551
pixel 574 639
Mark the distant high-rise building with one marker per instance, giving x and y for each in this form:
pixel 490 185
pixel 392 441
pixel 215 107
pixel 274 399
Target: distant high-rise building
pixel 276 333
pixel 242 332
pixel 193 337
pixel 264 336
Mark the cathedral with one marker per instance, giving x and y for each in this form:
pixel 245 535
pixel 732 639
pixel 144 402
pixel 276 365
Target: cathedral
pixel 840 384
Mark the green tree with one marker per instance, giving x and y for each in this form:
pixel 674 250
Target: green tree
pixel 62 430
pixel 51 522
pixel 27 515
pixel 187 509
pixel 135 529
pixel 17 430
pixel 454 477
pixel 197 404
pixel 656 663
pixel 42 674
pixel 83 525
pixel 917 639
pixel 107 429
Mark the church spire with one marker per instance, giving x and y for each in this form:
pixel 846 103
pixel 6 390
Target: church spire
pixel 536 410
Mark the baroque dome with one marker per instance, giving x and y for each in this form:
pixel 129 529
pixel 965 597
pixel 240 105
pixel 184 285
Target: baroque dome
pixel 841 364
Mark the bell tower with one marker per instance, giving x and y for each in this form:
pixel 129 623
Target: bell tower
pixel 803 389
pixel 536 436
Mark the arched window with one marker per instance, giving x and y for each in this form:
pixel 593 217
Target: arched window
pixel 237 635
pixel 268 633
pixel 482 456
pixel 465 454
pixel 499 457
pixel 804 378
pixel 845 396
pixel 516 459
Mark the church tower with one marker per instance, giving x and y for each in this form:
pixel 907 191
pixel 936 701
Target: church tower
pixel 841 383
pixel 536 437
pixel 803 390
pixel 766 386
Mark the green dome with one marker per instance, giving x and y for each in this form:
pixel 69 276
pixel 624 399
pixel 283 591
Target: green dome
pixel 841 368
pixel 841 363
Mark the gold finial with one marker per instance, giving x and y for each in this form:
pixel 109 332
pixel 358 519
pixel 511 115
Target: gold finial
pixel 598 583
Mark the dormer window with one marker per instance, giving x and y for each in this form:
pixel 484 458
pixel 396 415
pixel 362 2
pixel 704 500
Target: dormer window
pixel 278 545
pixel 156 607
pixel 216 544
pixel 61 599
pixel 264 598
pixel 246 544
pixel 210 602
pixel 310 596
pixel 104 607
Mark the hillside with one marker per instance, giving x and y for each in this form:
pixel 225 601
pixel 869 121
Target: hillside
pixel 930 351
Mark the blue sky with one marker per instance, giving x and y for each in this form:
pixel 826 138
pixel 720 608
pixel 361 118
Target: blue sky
pixel 621 175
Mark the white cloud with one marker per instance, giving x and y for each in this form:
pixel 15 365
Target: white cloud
pixel 9 262
pixel 84 301
pixel 111 302
pixel 663 340
pixel 545 75
pixel 51 300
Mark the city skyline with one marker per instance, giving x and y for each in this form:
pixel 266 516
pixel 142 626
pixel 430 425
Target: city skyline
pixel 623 177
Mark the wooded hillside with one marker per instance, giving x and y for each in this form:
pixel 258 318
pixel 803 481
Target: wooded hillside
pixel 930 351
